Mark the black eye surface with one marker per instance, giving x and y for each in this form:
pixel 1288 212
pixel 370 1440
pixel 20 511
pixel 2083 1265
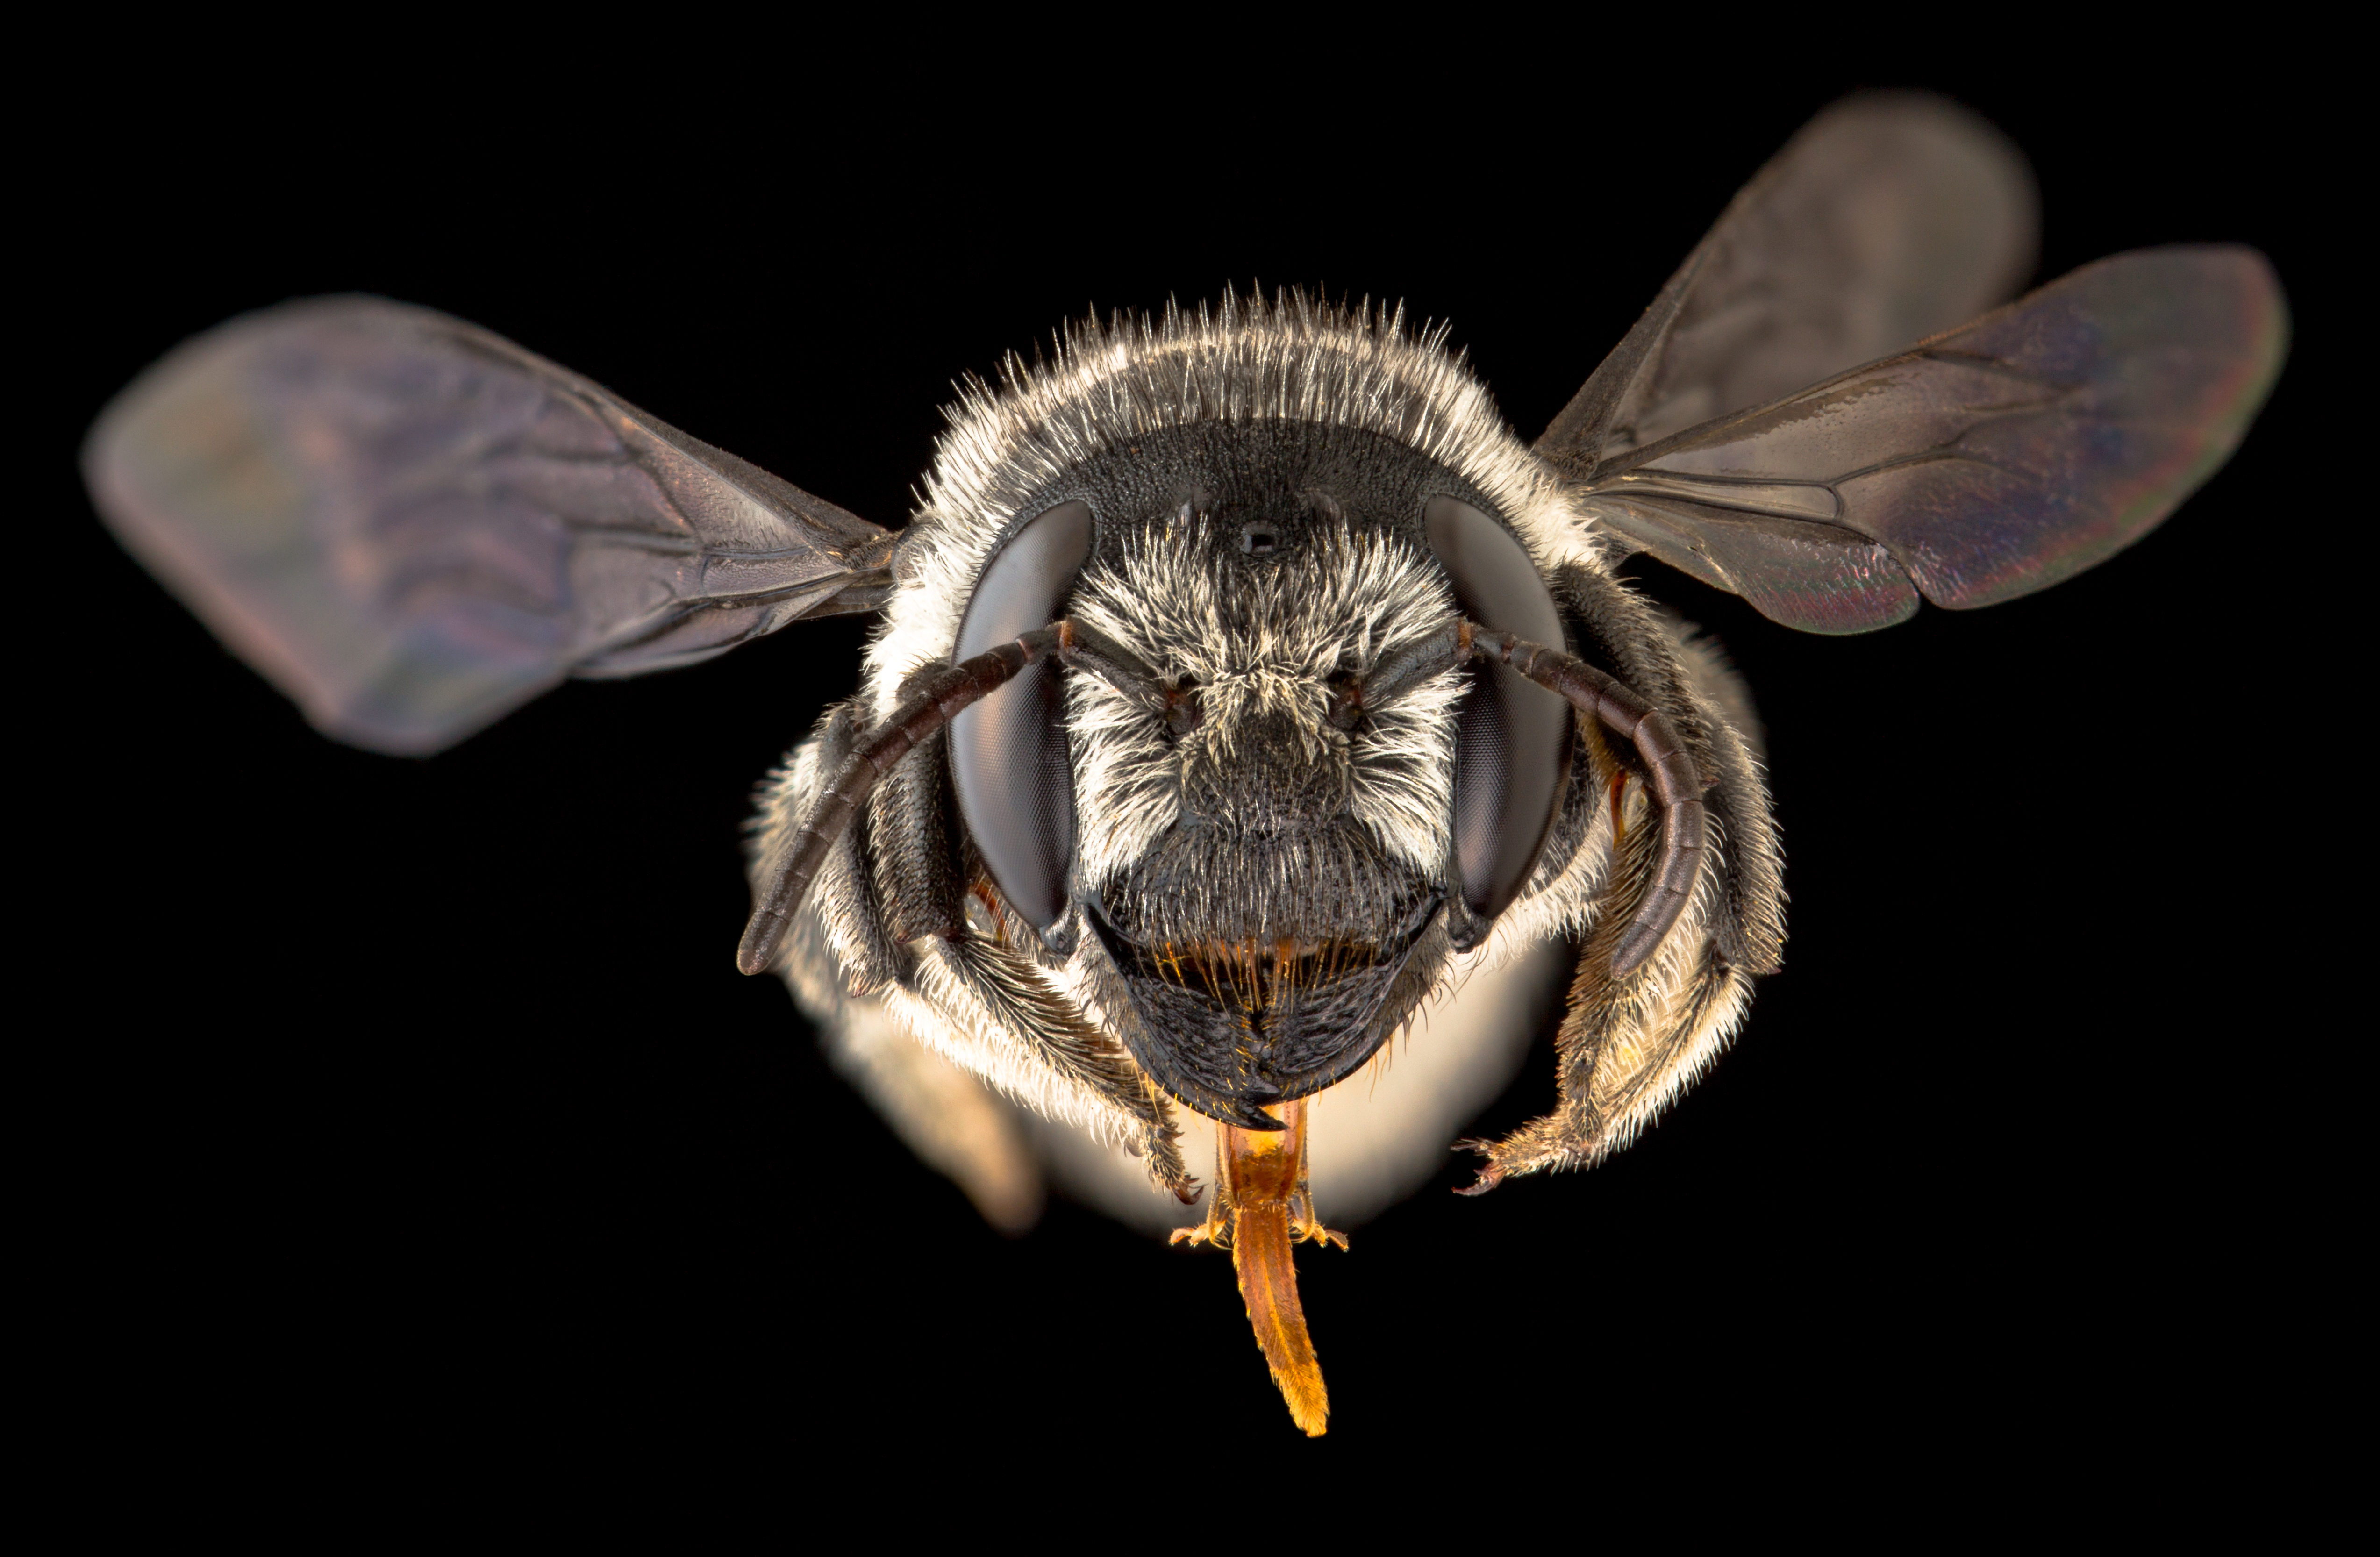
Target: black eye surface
pixel 1511 736
pixel 1008 753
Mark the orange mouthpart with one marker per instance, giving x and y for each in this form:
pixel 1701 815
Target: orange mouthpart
pixel 1261 1211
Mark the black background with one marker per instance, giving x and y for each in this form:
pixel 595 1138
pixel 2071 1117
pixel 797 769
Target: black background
pixel 415 1115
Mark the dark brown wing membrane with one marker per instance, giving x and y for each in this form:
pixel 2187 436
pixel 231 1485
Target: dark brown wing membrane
pixel 1986 464
pixel 1890 217
pixel 413 526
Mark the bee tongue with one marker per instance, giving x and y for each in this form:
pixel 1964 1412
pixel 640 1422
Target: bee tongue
pixel 1263 1210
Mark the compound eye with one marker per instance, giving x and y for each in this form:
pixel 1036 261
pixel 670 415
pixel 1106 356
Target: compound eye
pixel 1512 738
pixel 1008 752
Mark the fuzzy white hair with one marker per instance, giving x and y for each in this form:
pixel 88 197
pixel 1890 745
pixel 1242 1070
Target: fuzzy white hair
pixel 1257 643
pixel 1295 360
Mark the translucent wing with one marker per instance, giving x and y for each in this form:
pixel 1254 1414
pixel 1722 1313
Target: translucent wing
pixel 1986 464
pixel 412 526
pixel 1889 218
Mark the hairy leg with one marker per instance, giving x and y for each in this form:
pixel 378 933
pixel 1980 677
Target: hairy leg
pixel 1629 1044
pixel 963 998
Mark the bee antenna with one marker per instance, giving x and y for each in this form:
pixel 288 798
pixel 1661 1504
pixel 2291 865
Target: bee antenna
pixel 1676 783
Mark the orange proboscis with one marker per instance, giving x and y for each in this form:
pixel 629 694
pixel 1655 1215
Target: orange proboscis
pixel 1264 1172
pixel 1260 1211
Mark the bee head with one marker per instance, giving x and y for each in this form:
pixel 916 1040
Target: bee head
pixel 1265 870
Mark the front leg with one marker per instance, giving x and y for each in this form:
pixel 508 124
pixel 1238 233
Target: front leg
pixel 1634 1041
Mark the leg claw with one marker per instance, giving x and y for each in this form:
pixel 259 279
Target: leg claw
pixel 1491 1172
pixel 1489 1179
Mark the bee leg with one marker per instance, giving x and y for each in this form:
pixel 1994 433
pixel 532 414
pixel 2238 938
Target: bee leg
pixel 914 1024
pixel 1630 1041
pixel 977 982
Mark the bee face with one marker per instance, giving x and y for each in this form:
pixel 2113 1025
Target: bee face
pixel 1262 860
pixel 1263 878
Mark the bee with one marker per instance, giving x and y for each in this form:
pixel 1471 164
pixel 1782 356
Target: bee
pixel 1246 693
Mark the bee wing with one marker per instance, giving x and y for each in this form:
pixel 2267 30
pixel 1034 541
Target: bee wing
pixel 1985 464
pixel 412 526
pixel 1889 218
